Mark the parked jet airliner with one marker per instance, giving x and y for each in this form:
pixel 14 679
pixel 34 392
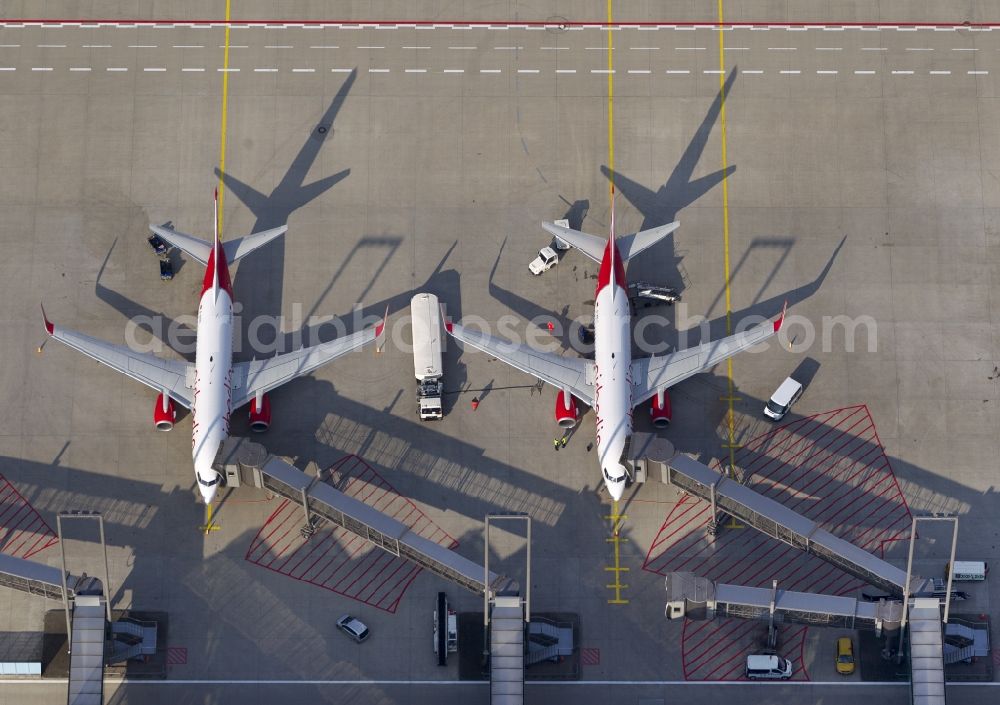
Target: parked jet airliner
pixel 613 383
pixel 214 385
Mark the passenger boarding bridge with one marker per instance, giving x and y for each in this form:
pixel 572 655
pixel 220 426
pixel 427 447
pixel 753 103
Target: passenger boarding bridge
pixel 699 598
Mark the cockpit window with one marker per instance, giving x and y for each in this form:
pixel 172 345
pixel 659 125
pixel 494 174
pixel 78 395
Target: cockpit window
pixel 613 479
pixel 208 483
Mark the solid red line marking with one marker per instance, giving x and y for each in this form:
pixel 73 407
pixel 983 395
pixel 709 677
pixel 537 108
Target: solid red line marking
pixel 482 24
pixel 849 485
pixel 329 543
pixel 6 518
pixel 784 444
pixel 391 560
pixel 339 559
pixel 313 544
pixel 22 536
pixel 413 576
pixel 792 428
pixel 724 638
pixel 15 520
pixel 694 503
pixel 352 549
pixel 260 539
pixel 815 450
pixel 717 638
pixel 51 542
pixel 394 588
pixel 370 563
pixel 807 442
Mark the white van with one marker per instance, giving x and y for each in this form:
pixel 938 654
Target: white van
pixel 782 399
pixel 968 571
pixel 768 666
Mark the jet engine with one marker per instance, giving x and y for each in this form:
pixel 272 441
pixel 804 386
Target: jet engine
pixel 260 418
pixel 659 409
pixel 566 412
pixel 164 413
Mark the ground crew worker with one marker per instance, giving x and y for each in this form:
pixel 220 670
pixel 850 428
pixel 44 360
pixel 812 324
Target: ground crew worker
pixel 550 326
pixel 562 441
pixel 555 444
pixel 475 403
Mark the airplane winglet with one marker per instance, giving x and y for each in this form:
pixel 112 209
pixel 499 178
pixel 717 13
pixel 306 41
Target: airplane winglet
pixel 781 319
pixel 380 332
pixel 50 327
pixel 448 325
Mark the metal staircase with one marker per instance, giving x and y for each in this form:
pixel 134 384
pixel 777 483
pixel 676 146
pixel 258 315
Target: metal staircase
pixel 86 659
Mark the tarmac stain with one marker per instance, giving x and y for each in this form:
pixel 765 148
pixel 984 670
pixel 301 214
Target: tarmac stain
pixel 831 468
pixel 336 559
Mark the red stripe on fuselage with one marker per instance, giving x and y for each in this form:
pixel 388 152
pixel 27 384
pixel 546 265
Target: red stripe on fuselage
pixel 604 275
pixel 223 267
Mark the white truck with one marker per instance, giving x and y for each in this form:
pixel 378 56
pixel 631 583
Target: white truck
pixel 445 630
pixel 546 260
pixel 427 336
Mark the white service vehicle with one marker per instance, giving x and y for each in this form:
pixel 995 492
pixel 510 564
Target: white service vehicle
pixel 546 260
pixel 427 368
pixel 768 667
pixel 782 399
pixel 445 630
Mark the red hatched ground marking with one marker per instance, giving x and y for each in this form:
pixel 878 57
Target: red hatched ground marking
pixel 177 655
pixel 831 468
pixel 336 559
pixel 590 657
pixel 23 532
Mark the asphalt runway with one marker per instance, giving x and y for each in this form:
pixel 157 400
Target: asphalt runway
pixel 861 180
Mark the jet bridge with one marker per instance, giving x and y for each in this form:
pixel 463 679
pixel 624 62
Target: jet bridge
pixel 700 598
pixel 780 522
pixel 243 462
pixel 34 578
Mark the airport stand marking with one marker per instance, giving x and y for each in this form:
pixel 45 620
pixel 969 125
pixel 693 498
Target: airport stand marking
pixel 617 520
pixel 590 656
pixel 177 655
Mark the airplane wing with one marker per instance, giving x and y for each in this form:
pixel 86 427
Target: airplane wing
pixel 161 375
pixel 628 245
pixel 261 376
pixel 651 374
pixel 563 372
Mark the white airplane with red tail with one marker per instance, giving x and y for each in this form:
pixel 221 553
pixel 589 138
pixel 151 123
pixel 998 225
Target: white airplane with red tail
pixel 214 385
pixel 613 383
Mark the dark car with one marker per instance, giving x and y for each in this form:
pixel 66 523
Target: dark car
pixel 159 246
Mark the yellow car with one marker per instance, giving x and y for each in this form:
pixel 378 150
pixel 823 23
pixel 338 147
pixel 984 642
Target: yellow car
pixel 845 656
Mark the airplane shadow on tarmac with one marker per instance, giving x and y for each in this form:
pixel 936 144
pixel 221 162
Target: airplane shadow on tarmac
pixel 679 191
pixel 259 280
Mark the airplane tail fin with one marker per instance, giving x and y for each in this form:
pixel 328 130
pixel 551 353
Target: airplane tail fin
pixel 215 245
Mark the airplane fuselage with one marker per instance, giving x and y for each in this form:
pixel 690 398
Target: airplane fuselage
pixel 612 371
pixel 213 385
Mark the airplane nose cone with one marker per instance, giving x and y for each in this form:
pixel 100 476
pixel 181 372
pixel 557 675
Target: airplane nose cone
pixel 207 493
pixel 616 490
